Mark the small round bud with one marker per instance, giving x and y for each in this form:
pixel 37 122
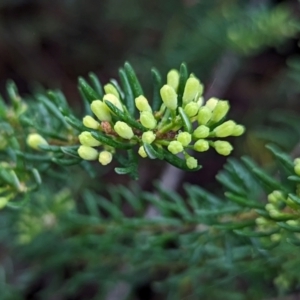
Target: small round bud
pixel 275 197
pixel 201 145
pixel 90 122
pixel 110 89
pixel 147 119
pixel 3 202
pixel 173 79
pixel 223 147
pixel 184 138
pixel 261 221
pixel 148 137
pixel 105 158
pixel 34 140
pixel 142 152
pixel 114 100
pixel 87 153
pixel 201 132
pixel 142 104
pixel 270 206
pixel 175 147
pixel 211 103
pixel 169 97
pixel 86 139
pixel 275 237
pixel 101 111
pixel 297 166
pixel 274 213
pixel 225 129
pixel 123 130
pixel 191 109
pixel 238 130
pixel 204 115
pixel 192 163
pixel 292 223
pixel 193 88
pixel 200 101
pixel 220 111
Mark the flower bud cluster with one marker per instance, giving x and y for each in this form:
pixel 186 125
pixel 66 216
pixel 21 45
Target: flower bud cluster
pixel 171 127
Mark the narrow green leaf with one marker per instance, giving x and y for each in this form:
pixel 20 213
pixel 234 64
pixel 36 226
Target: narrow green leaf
pixel 66 161
pixel 284 225
pixel 157 84
pixel 133 80
pixel 233 226
pixel 52 108
pixel 123 171
pixel 243 201
pixel 151 152
pixel 51 148
pixel 187 125
pixel 74 122
pixel 285 159
pixel 294 198
pixel 89 93
pixel 91 204
pixel 96 84
pixel 183 76
pixel 249 233
pixel 109 141
pixel 128 93
pixel 70 150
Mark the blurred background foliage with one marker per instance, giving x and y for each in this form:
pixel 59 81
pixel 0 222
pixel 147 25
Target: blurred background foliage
pixel 78 238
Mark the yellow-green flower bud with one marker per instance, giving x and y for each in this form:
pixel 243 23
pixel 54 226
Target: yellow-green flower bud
pixel 204 115
pixel 169 97
pixel 223 147
pixel 86 139
pixel 201 132
pixel 220 110
pixel 201 145
pixel 123 130
pixel 110 89
pixel 101 111
pixel 292 223
pixel 87 153
pixel 90 122
pixel 200 101
pixel 184 138
pixel 225 129
pixel 297 166
pixel 274 213
pixel 3 202
pixel 142 104
pixel 192 163
pixel 142 152
pixel 173 79
pixel 193 88
pixel 270 206
pixel 175 147
pixel 261 221
pixel 34 140
pixel 114 100
pixel 275 237
pixel 238 130
pixel 276 197
pixel 148 137
pixel 147 119
pixel 191 109
pixel 105 158
pixel 212 103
